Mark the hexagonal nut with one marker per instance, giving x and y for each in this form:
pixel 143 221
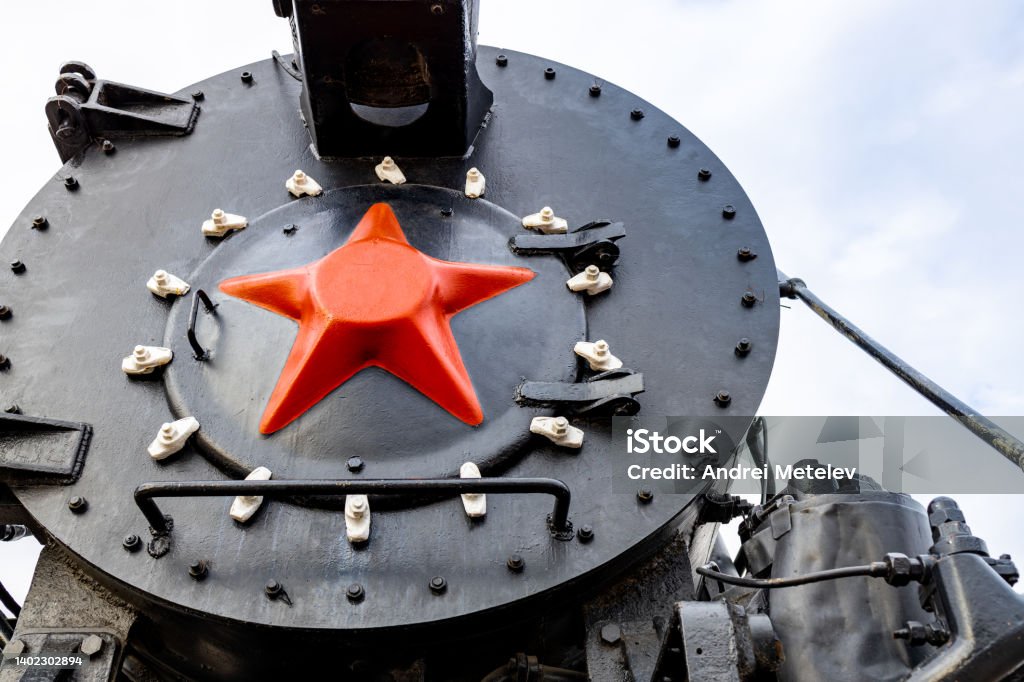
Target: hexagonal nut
pixel 611 634
pixel 92 645
pixel 940 516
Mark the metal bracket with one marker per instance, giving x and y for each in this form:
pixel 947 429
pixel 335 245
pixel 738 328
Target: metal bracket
pixel 591 244
pixel 87 109
pixel 606 394
pixel 38 451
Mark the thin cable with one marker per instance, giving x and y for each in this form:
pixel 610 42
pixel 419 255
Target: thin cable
pixel 877 569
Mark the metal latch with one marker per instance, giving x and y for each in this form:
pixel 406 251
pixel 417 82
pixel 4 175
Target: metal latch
pixel 586 245
pixel 606 394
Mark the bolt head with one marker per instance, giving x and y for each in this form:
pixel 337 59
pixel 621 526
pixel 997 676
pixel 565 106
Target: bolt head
pixel 132 543
pixel 636 114
pixel 722 398
pixel 438 584
pixel 299 177
pixel 17 267
pixel 549 73
pixel 645 495
pixel 585 533
pixel 5 312
pixel 39 222
pixel 743 347
pixel 13 407
pixel 70 182
pixel 728 211
pixel 198 95
pixel 447 212
pixel 704 174
pixel 673 141
pixel 501 60
pixel 388 162
pixel 78 504
pixel 595 90
pixel 198 569
pixel 354 464
pixel 246 76
pixel 746 254
pixel 273 588
pixel 749 299
pixel 611 634
pixel 91 645
pixel 108 147
pixel 515 563
pixel 5 361
pixel 355 592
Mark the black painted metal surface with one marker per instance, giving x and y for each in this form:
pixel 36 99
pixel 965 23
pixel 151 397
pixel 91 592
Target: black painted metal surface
pixel 675 314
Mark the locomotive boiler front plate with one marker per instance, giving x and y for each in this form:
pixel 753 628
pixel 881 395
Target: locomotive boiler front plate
pixel 681 300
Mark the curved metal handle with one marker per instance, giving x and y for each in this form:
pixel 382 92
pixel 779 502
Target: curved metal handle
pixel 198 352
pixel 145 493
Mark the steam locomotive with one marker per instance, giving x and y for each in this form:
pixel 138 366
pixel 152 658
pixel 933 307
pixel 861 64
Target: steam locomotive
pixel 340 388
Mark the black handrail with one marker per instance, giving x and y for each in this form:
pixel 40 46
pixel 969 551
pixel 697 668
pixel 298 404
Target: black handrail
pixel 197 348
pixel 145 493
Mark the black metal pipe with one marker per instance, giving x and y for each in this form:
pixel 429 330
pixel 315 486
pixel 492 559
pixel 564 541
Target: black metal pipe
pixel 145 493
pixel 8 600
pixel 982 427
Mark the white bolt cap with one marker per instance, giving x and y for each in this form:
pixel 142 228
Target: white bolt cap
pixel 220 223
pixel 145 359
pixel 558 431
pixel 598 355
pixel 475 504
pixel 546 221
pixel 357 518
pixel 300 184
pixel 172 437
pixel 476 183
pixel 164 284
pixel 244 506
pixel 388 171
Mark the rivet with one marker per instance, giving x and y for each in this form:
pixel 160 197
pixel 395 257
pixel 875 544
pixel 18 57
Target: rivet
pixel 355 592
pixel 198 570
pixel 17 267
pixel 549 73
pixel 749 299
pixel 273 589
pixel 438 584
pixel 728 212
pixel 246 77
pixel 743 347
pixel 78 504
pixel 636 114
pixel 501 60
pixel 746 254
pixel 354 464
pixel 132 543
pixel 70 183
pixel 5 312
pixel 13 408
pixel 108 147
pixel 39 222
pixel 198 95
pixel 447 211
pixel 673 141
pixel 645 495
pixel 722 398
pixel 515 563
pixel 585 533
pixel 595 90
pixel 704 174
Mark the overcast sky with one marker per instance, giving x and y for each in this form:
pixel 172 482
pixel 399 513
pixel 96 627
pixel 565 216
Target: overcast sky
pixel 880 142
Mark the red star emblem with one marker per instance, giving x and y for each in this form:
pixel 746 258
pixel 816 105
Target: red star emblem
pixel 375 301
